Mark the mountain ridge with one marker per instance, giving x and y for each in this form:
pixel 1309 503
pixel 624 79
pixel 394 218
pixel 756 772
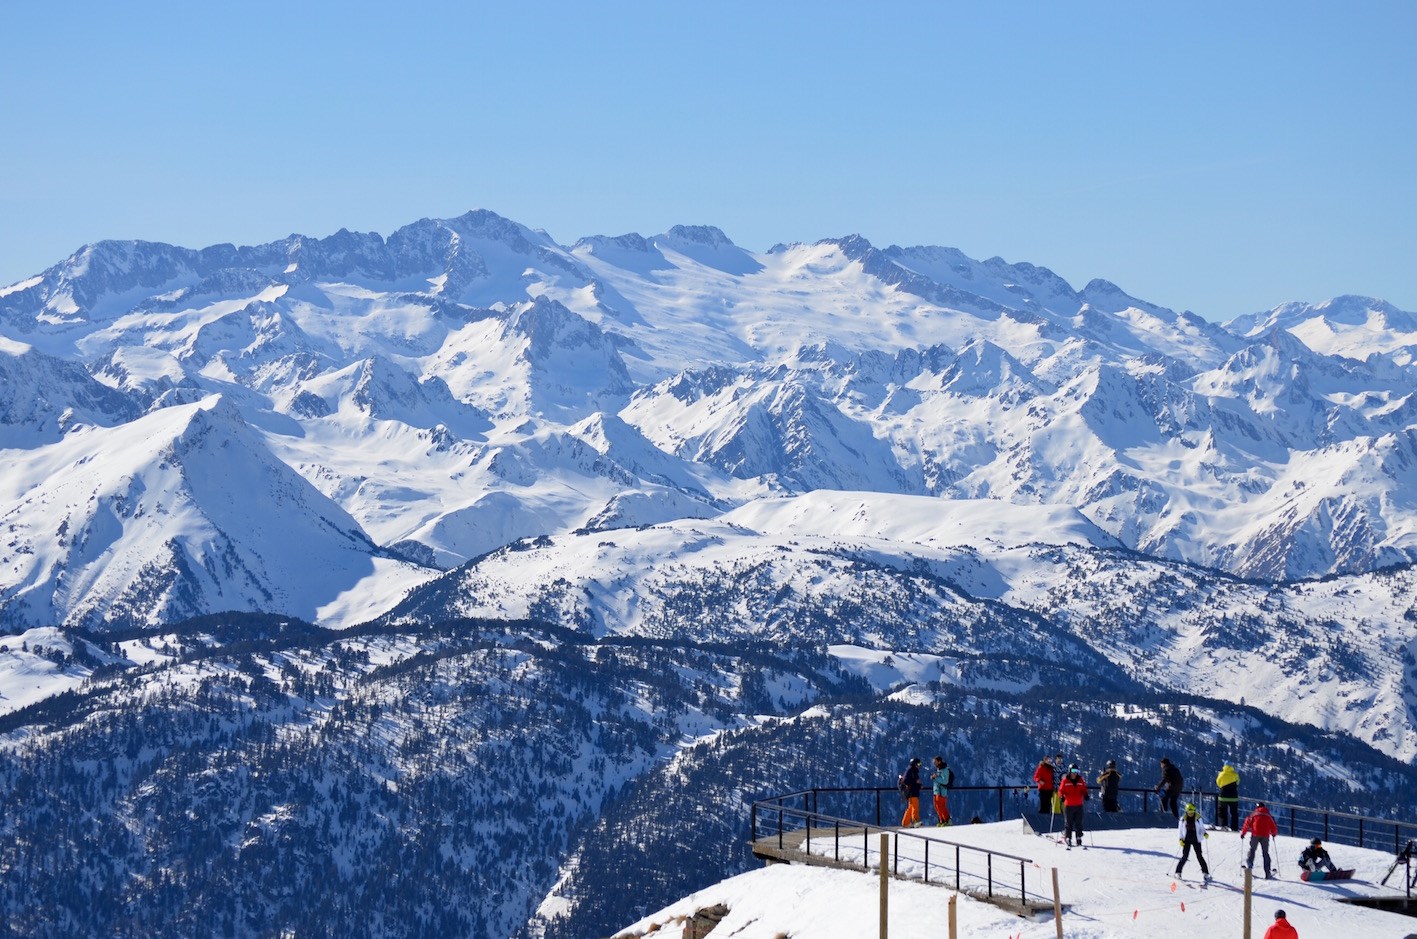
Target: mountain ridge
pixel 412 377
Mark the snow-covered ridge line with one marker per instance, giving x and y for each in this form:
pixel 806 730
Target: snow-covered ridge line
pixel 414 401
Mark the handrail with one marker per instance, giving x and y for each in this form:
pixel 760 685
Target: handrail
pixel 810 818
pixel 857 823
pixel 1339 827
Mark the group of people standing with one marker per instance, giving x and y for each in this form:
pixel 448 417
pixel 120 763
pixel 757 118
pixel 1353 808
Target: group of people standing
pixel 1048 777
pixel 1065 793
pixel 910 785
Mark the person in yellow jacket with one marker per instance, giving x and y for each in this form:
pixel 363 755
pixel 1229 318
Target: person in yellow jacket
pixel 1227 815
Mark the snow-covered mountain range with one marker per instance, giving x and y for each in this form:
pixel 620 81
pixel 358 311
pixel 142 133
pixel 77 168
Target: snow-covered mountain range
pixel 397 405
pixel 688 502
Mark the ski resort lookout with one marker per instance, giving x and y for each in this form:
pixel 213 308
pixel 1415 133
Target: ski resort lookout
pixel 1001 852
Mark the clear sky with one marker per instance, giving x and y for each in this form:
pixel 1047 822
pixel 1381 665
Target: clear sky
pixel 1218 157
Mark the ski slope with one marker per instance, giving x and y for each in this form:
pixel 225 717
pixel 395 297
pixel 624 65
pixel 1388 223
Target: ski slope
pixel 1121 886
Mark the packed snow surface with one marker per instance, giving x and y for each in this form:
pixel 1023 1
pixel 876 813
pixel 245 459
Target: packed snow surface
pixel 1121 887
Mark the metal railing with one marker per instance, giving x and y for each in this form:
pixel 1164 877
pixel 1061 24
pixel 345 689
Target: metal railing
pixel 866 808
pixel 994 875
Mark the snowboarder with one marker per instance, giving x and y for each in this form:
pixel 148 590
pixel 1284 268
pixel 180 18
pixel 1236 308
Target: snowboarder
pixel 1281 929
pixel 1261 828
pixel 1190 832
pixel 1043 778
pixel 1227 814
pixel 1315 857
pixel 1170 787
pixel 910 788
pixel 1073 790
pixel 1111 783
pixel 941 780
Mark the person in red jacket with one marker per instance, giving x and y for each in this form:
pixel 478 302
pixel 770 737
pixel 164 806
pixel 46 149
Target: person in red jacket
pixel 1281 928
pixel 1261 828
pixel 1043 778
pixel 1073 789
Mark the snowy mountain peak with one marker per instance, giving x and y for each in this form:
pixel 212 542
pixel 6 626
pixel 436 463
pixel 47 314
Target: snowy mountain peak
pixel 435 385
pixel 983 369
pixel 1355 327
pixel 706 235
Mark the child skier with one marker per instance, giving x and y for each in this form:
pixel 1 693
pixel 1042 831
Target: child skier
pixel 1190 832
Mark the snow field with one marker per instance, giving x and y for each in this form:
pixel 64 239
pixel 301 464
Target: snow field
pixel 1120 887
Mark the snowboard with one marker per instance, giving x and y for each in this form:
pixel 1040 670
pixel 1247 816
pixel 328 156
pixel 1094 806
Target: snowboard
pixel 1321 875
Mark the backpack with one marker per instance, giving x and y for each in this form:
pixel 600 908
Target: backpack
pixel 900 787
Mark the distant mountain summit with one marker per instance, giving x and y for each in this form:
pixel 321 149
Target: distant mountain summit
pixel 466 382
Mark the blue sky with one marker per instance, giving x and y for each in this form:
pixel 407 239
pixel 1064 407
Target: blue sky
pixel 1218 157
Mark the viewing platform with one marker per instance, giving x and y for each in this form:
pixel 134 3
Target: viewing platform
pixel 1011 861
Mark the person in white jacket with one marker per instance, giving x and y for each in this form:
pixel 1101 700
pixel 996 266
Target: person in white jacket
pixel 1190 831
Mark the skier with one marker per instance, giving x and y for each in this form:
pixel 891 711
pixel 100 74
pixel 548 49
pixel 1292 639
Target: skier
pixel 1111 783
pixel 1227 814
pixel 1073 790
pixel 1261 828
pixel 1043 778
pixel 910 788
pixel 1315 857
pixel 1172 782
pixel 1281 929
pixel 1190 832
pixel 941 780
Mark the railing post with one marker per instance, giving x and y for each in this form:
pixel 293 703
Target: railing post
pixel 956 867
pixel 755 821
pixel 1325 826
pixel 895 856
pixel 807 811
pixel 836 849
pixel 878 808
pixel 1001 803
pixel 885 888
pixel 927 861
pixel 1291 821
pixel 1022 886
pixel 1360 833
pixel 779 828
pixel 989 867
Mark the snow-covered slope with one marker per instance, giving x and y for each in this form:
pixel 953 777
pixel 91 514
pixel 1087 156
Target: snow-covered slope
pixel 1354 327
pixel 1120 888
pixel 174 514
pixel 466 382
pixel 965 584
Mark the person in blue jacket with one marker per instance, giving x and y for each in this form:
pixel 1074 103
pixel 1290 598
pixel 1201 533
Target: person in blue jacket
pixel 940 780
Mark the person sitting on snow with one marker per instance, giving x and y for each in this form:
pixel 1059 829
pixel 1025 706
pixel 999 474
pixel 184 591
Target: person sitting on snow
pixel 1315 857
